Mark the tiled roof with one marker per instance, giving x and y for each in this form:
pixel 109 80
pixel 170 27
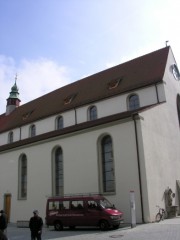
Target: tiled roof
pixel 140 72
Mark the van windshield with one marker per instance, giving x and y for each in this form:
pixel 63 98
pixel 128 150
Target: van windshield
pixel 104 203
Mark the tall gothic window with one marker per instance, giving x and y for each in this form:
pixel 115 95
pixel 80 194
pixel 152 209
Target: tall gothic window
pixel 108 179
pixel 133 102
pixel 58 181
pixel 23 177
pixel 92 113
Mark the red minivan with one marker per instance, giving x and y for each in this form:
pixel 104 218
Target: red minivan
pixel 82 210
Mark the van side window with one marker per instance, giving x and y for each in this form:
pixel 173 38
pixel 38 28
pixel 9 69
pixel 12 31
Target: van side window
pixel 66 204
pixel 54 205
pixel 92 205
pixel 58 205
pixel 77 205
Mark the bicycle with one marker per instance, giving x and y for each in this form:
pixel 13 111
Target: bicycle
pixel 160 216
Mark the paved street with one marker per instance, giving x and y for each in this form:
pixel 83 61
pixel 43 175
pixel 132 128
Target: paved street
pixel 169 229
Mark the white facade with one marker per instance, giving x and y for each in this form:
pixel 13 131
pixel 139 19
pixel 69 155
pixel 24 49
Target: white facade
pixel 147 96
pixel 146 154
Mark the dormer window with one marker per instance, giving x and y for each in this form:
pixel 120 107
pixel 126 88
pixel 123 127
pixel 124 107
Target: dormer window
pixel 10 137
pixel 114 83
pixel 69 99
pixel 32 130
pixel 26 115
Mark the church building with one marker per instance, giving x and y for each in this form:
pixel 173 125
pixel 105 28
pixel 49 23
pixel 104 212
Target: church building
pixel 111 133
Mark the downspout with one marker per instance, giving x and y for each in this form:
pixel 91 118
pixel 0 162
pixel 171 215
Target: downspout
pixel 157 95
pixel 20 133
pixel 75 116
pixel 134 117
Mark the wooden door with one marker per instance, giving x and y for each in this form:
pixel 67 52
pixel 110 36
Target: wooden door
pixel 7 205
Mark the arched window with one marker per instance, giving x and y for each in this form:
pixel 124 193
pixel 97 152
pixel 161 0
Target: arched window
pixel 107 165
pixel 10 137
pixel 32 130
pixel 178 107
pixel 133 102
pixel 92 113
pixel 59 122
pixel 58 175
pixel 22 177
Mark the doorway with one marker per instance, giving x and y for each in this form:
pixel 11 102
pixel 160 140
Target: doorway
pixel 7 205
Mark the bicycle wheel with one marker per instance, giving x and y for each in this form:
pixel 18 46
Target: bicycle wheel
pixel 158 217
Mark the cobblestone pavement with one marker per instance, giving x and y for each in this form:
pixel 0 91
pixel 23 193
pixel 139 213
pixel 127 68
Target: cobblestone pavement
pixel 168 229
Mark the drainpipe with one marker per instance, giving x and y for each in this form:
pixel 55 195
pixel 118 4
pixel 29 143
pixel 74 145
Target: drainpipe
pixel 134 117
pixel 20 133
pixel 157 93
pixel 75 116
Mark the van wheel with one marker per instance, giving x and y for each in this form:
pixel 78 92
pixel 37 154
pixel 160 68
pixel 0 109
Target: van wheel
pixel 58 226
pixel 104 225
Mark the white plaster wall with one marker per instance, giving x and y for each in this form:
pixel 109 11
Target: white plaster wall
pixel 48 124
pixel 80 156
pixel 161 92
pixel 16 134
pixel 69 118
pixel 161 139
pixel 105 107
pixel 4 136
pixel 118 104
pixel 42 126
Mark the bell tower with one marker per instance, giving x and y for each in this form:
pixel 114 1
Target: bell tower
pixel 13 101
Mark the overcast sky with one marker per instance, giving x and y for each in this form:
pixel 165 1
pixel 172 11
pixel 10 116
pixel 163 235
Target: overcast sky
pixel 51 43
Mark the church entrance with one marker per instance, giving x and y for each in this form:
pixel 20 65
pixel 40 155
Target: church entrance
pixel 7 205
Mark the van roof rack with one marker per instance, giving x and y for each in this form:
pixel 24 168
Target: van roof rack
pixel 77 195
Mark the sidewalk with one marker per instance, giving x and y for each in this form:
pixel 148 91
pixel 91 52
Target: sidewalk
pixel 168 229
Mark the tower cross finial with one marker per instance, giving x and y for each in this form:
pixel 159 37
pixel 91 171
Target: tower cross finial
pixel 16 78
